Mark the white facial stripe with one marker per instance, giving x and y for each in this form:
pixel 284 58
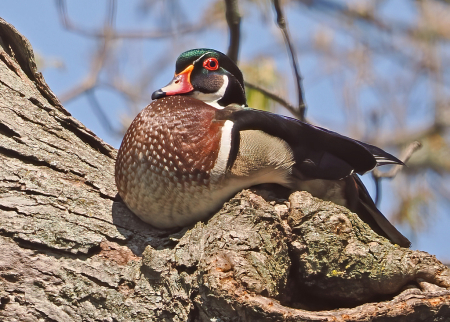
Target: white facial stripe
pixel 212 98
pixel 224 151
pixel 197 60
pixel 221 92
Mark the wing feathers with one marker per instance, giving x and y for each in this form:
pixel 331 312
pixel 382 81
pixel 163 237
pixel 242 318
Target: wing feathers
pixel 381 156
pixel 318 152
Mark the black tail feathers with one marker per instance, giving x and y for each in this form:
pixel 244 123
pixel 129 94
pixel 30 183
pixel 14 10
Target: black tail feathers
pixel 369 213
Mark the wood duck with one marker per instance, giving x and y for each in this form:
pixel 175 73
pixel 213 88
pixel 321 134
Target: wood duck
pixel 197 144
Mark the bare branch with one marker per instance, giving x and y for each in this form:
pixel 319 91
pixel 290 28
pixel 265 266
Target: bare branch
pixel 101 115
pixel 91 79
pixel 404 157
pixel 144 34
pixel 112 4
pixel 283 26
pixel 234 24
pixel 291 108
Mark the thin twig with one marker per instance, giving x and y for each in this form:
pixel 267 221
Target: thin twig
pixel 101 115
pixel 377 175
pixel 112 4
pixel 404 157
pixel 275 97
pixel 138 35
pixel 234 24
pixel 91 79
pixel 283 26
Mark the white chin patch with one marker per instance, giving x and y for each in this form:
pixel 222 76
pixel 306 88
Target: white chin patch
pixel 212 98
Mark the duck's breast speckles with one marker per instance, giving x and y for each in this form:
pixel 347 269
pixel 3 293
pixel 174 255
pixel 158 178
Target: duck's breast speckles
pixel 169 149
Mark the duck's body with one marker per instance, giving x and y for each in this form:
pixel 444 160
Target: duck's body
pixel 183 157
pixel 160 172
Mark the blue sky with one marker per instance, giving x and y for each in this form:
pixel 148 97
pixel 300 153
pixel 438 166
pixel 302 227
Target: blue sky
pixel 39 22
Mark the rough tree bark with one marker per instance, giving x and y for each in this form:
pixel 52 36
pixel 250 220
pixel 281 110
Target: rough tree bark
pixel 71 251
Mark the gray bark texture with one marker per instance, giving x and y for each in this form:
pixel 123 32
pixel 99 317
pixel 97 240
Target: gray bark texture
pixel 71 251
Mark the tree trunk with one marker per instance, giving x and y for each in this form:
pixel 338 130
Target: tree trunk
pixel 71 251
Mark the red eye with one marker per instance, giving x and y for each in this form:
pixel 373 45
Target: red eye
pixel 211 64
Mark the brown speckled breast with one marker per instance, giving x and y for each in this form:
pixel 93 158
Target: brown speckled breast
pixel 163 168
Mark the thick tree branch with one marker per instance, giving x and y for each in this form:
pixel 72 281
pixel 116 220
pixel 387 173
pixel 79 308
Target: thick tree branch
pixel 234 26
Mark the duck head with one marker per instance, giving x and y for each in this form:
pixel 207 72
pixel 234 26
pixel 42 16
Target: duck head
pixel 207 75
